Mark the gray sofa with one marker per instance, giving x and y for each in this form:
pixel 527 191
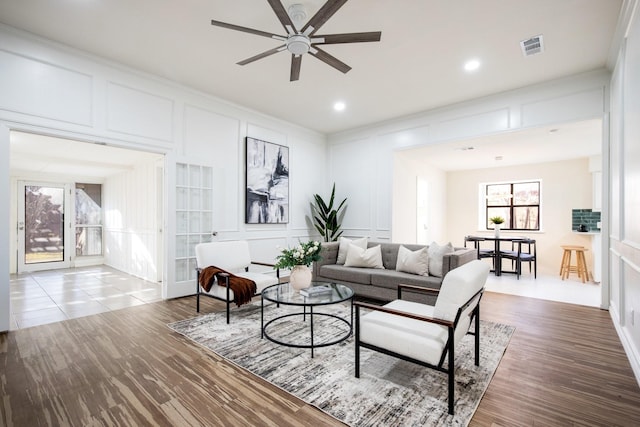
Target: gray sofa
pixel 382 284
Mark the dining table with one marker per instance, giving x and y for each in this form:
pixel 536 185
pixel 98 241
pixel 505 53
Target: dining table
pixel 497 240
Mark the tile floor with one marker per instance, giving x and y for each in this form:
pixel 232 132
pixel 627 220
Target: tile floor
pixel 50 296
pixel 548 287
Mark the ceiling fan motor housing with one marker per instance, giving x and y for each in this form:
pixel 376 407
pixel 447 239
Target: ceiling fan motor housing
pixel 298 44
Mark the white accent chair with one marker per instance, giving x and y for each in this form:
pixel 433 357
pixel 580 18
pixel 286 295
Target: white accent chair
pixel 234 257
pixel 426 334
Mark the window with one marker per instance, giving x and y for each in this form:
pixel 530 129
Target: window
pixel 518 203
pixel 88 219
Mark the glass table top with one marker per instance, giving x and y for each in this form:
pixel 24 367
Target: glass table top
pixel 285 294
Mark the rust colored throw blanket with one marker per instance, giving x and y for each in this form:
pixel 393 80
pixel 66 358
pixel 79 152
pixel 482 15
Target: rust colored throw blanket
pixel 243 289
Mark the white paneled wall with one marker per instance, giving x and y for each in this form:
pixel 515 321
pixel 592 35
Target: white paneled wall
pixel 624 166
pixel 131 226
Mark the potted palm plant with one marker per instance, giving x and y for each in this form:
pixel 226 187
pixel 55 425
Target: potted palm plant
pixel 326 218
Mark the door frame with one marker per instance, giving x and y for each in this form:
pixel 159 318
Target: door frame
pixel 67 227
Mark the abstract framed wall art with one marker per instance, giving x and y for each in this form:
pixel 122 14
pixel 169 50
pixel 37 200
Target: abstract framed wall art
pixel 267 196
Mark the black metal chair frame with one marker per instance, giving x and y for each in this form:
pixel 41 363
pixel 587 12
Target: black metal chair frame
pixel 519 256
pixel 449 348
pixel 226 276
pixel 482 253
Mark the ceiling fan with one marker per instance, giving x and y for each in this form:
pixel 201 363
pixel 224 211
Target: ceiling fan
pixel 305 40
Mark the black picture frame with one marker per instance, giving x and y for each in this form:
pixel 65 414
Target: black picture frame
pixel 267 182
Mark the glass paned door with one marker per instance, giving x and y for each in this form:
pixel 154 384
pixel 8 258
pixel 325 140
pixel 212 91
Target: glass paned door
pixel 41 226
pixel 88 219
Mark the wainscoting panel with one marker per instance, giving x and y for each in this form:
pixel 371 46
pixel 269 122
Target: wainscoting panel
pixel 41 95
pixel 577 106
pixel 474 125
pixel 212 139
pixel 134 112
pixel 354 177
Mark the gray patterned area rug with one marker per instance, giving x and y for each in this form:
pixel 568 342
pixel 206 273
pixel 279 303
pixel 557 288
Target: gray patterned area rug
pixel 389 392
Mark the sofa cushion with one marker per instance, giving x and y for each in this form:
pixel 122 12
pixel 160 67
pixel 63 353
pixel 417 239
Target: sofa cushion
pixel 414 262
pixel 346 274
pixel 392 278
pixel 358 257
pixel 436 254
pixel 344 247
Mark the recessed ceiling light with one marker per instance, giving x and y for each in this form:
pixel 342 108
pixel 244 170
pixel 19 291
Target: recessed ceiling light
pixel 339 106
pixel 471 65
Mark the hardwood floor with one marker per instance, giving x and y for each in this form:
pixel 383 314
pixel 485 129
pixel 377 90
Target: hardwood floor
pixel 564 366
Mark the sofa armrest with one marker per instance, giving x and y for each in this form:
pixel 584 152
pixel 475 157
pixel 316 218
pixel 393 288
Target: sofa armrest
pixel 457 258
pixel 329 254
pixel 418 289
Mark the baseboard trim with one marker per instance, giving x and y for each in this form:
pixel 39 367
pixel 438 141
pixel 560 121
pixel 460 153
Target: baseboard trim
pixel 627 343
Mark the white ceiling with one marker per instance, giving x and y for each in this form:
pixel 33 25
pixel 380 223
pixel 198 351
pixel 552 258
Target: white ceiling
pixel 417 65
pixel 63 157
pixel 531 146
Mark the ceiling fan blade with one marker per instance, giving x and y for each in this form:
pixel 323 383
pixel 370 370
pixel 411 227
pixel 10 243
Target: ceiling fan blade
pixel 246 30
pixel 323 15
pixel 262 55
pixel 296 61
pixel 282 15
pixel 330 60
pixel 373 36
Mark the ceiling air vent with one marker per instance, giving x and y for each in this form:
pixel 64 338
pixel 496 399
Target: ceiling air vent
pixel 532 46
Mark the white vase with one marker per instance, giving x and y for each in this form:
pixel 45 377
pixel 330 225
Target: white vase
pixel 300 277
pixel 497 230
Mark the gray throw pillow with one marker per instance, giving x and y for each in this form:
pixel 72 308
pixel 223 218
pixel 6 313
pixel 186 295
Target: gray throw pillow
pixel 436 253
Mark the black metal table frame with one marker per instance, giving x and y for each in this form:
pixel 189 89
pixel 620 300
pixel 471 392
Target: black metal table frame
pixel 307 303
pixel 497 254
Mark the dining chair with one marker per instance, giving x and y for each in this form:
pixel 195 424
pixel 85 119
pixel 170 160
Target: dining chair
pixel 482 253
pixel 520 254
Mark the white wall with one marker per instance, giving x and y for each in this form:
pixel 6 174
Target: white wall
pixel 624 191
pixel 4 231
pixel 566 185
pixel 407 171
pixel 52 89
pixel 131 227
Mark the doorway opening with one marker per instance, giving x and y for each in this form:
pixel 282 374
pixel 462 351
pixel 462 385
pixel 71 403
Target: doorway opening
pixel 567 157
pixel 76 203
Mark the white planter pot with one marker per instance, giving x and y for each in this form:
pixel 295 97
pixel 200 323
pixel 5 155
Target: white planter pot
pixel 300 277
pixel 497 230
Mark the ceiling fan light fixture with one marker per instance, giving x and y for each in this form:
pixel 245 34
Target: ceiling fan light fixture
pixel 298 44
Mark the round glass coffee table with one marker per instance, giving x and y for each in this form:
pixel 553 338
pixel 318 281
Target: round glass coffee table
pixel 284 294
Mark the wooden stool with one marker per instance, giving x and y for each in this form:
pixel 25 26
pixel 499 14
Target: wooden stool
pixel 580 268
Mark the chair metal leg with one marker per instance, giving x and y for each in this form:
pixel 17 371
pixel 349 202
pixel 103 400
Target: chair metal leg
pixel 451 370
pixel 357 340
pixel 477 335
pixel 198 292
pixel 227 284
